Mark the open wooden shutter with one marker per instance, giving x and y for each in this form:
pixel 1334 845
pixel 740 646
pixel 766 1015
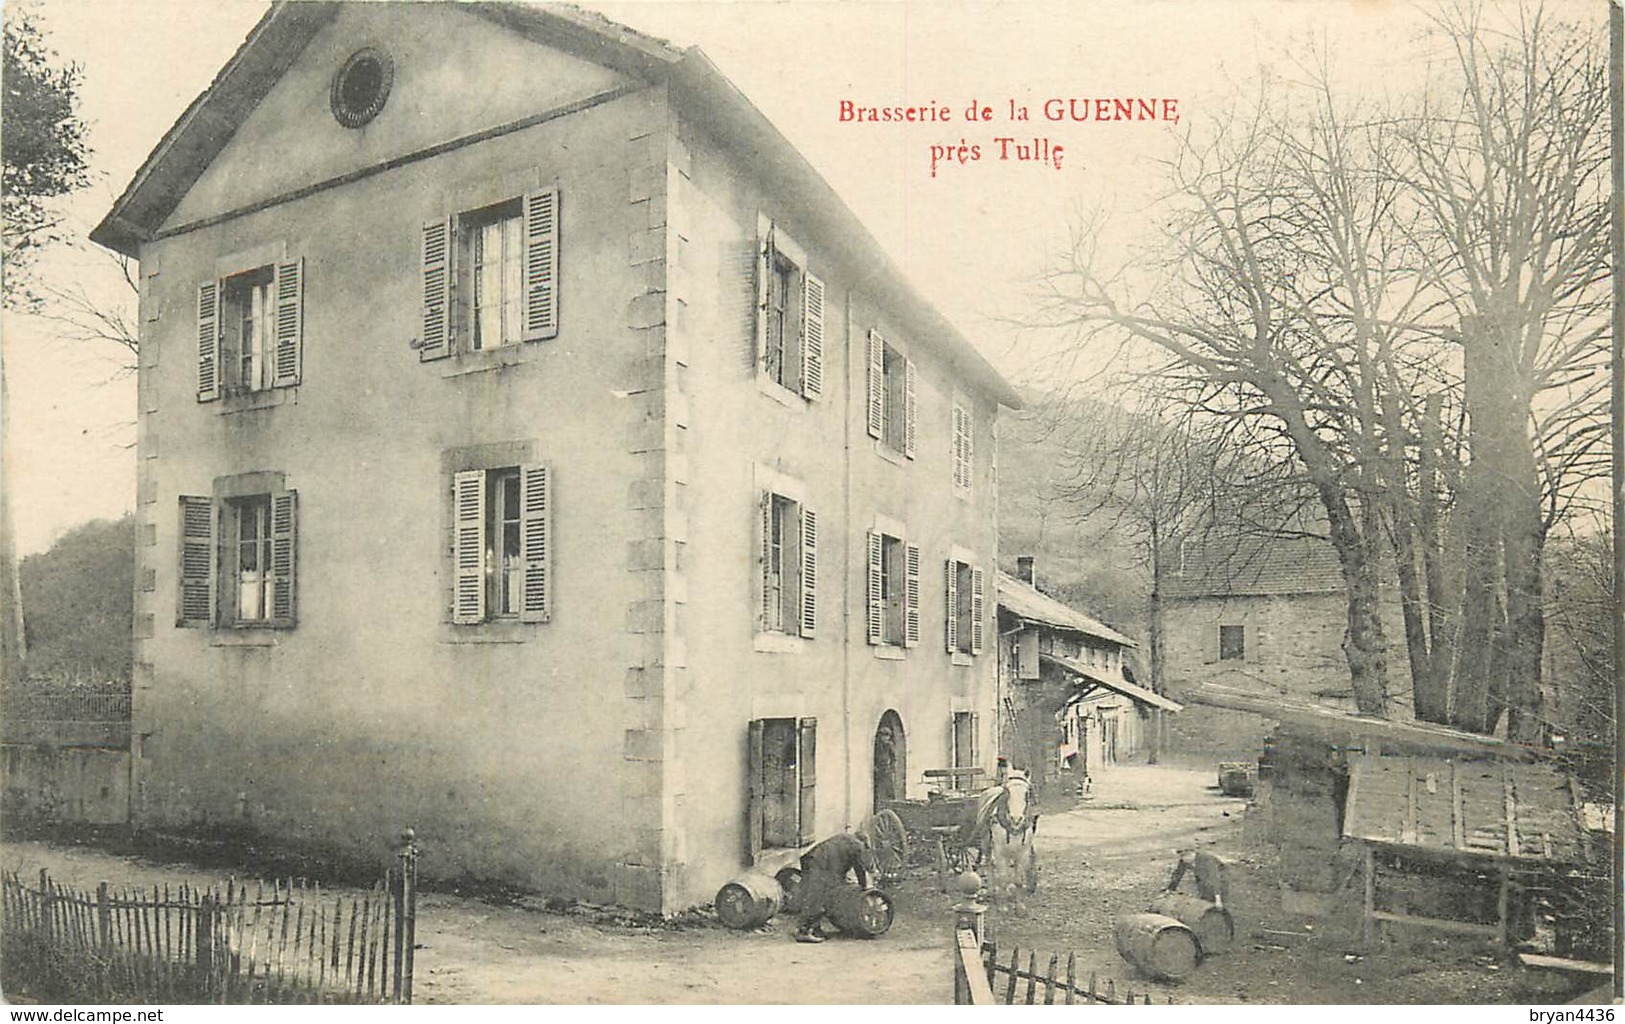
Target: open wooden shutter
pixel 208 341
pixel 877 385
pixel 290 321
pixel 950 573
pixel 468 547
pixel 807 770
pixel 541 264
pixel 911 598
pixel 812 336
pixel 873 595
pixel 809 572
pixel 284 558
pixel 975 739
pixel 764 286
pixel 976 609
pixel 434 331
pixel 535 542
pixel 967 447
pixel 910 407
pixel 754 788
pixel 764 561
pixel 195 603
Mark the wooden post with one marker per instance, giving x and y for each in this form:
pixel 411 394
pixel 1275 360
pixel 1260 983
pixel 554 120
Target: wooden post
pixel 104 920
pixel 409 910
pixel 1501 907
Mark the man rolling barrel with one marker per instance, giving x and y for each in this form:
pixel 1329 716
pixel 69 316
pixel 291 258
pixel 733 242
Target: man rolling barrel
pixel 823 871
pixel 1208 871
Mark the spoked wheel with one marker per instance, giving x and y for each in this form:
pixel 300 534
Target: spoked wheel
pixel 888 840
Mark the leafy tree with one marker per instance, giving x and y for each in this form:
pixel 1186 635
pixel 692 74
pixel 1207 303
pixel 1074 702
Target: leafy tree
pixel 79 602
pixel 42 143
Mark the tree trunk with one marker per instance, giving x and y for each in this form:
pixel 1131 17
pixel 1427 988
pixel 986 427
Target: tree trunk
pixel 1154 640
pixel 1363 643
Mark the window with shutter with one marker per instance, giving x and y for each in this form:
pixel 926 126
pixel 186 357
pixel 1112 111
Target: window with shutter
pixel 781 772
pixel 877 385
pixel 893 405
pixel 787 566
pixel 875 589
pixel 951 584
pixel 502 544
pixel 490 276
pixel 910 407
pixel 194 605
pixel 790 316
pixel 977 612
pixel 257 554
pixel 250 329
pixel 809 572
pixel 965 607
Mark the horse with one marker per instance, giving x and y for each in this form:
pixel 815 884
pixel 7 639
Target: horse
pixel 1004 828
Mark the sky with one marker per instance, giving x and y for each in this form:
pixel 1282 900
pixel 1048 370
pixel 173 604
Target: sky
pixel 972 236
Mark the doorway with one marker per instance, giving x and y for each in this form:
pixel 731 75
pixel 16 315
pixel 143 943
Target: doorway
pixel 891 760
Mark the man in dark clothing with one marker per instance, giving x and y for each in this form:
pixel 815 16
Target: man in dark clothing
pixel 823 871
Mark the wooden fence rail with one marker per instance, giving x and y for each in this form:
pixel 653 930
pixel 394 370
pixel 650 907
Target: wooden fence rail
pixel 288 941
pixel 1006 981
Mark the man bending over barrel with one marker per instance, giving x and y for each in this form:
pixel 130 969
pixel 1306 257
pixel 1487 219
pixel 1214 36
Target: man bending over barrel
pixel 823 871
pixel 1208 871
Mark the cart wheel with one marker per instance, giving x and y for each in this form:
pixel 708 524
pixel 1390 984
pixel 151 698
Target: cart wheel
pixel 888 840
pixel 790 880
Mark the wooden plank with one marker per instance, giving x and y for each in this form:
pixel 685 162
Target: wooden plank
pixel 1071 977
pixel 1032 975
pixel 1049 979
pixel 1369 860
pixel 1010 990
pixel 977 989
pixel 1563 963
pixel 1465 927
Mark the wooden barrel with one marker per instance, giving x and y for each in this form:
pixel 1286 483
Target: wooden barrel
pixel 1159 946
pixel 748 901
pixel 865 913
pixel 1214 928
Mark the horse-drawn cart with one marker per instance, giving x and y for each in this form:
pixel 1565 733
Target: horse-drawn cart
pixel 958 825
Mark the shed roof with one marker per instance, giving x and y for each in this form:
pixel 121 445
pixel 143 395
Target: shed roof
pixel 1025 601
pixel 1122 686
pixel 1336 725
pixel 1492 809
pixel 698 88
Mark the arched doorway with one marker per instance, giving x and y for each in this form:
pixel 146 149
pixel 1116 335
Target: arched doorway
pixel 891 760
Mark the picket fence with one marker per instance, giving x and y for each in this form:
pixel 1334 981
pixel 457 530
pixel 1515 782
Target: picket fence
pixel 289 941
pixel 980 979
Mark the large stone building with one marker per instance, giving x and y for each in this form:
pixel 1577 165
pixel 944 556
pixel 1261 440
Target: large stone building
pixel 535 451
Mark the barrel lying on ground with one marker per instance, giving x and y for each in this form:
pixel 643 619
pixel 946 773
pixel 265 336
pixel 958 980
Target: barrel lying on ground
pixel 749 901
pixel 865 913
pixel 1214 928
pixel 1159 946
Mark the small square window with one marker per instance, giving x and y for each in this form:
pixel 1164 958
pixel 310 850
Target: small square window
pixel 1232 643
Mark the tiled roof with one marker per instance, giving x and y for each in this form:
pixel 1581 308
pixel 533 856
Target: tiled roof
pixel 1023 600
pixel 1255 566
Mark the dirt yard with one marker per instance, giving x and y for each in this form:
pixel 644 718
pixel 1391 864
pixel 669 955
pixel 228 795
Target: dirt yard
pixel 1106 856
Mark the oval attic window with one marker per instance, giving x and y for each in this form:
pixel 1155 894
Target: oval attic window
pixel 361 87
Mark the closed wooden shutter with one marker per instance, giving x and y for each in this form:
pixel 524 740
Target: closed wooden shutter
pixel 468 547
pixel 807 771
pixel 208 341
pixel 754 789
pixel 910 407
pixel 950 574
pixel 535 542
pixel 873 594
pixel 911 597
pixel 290 321
pixel 541 264
pixel 809 572
pixel 976 609
pixel 194 604
pixel 284 558
pixel 877 385
pixel 434 331
pixel 812 336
